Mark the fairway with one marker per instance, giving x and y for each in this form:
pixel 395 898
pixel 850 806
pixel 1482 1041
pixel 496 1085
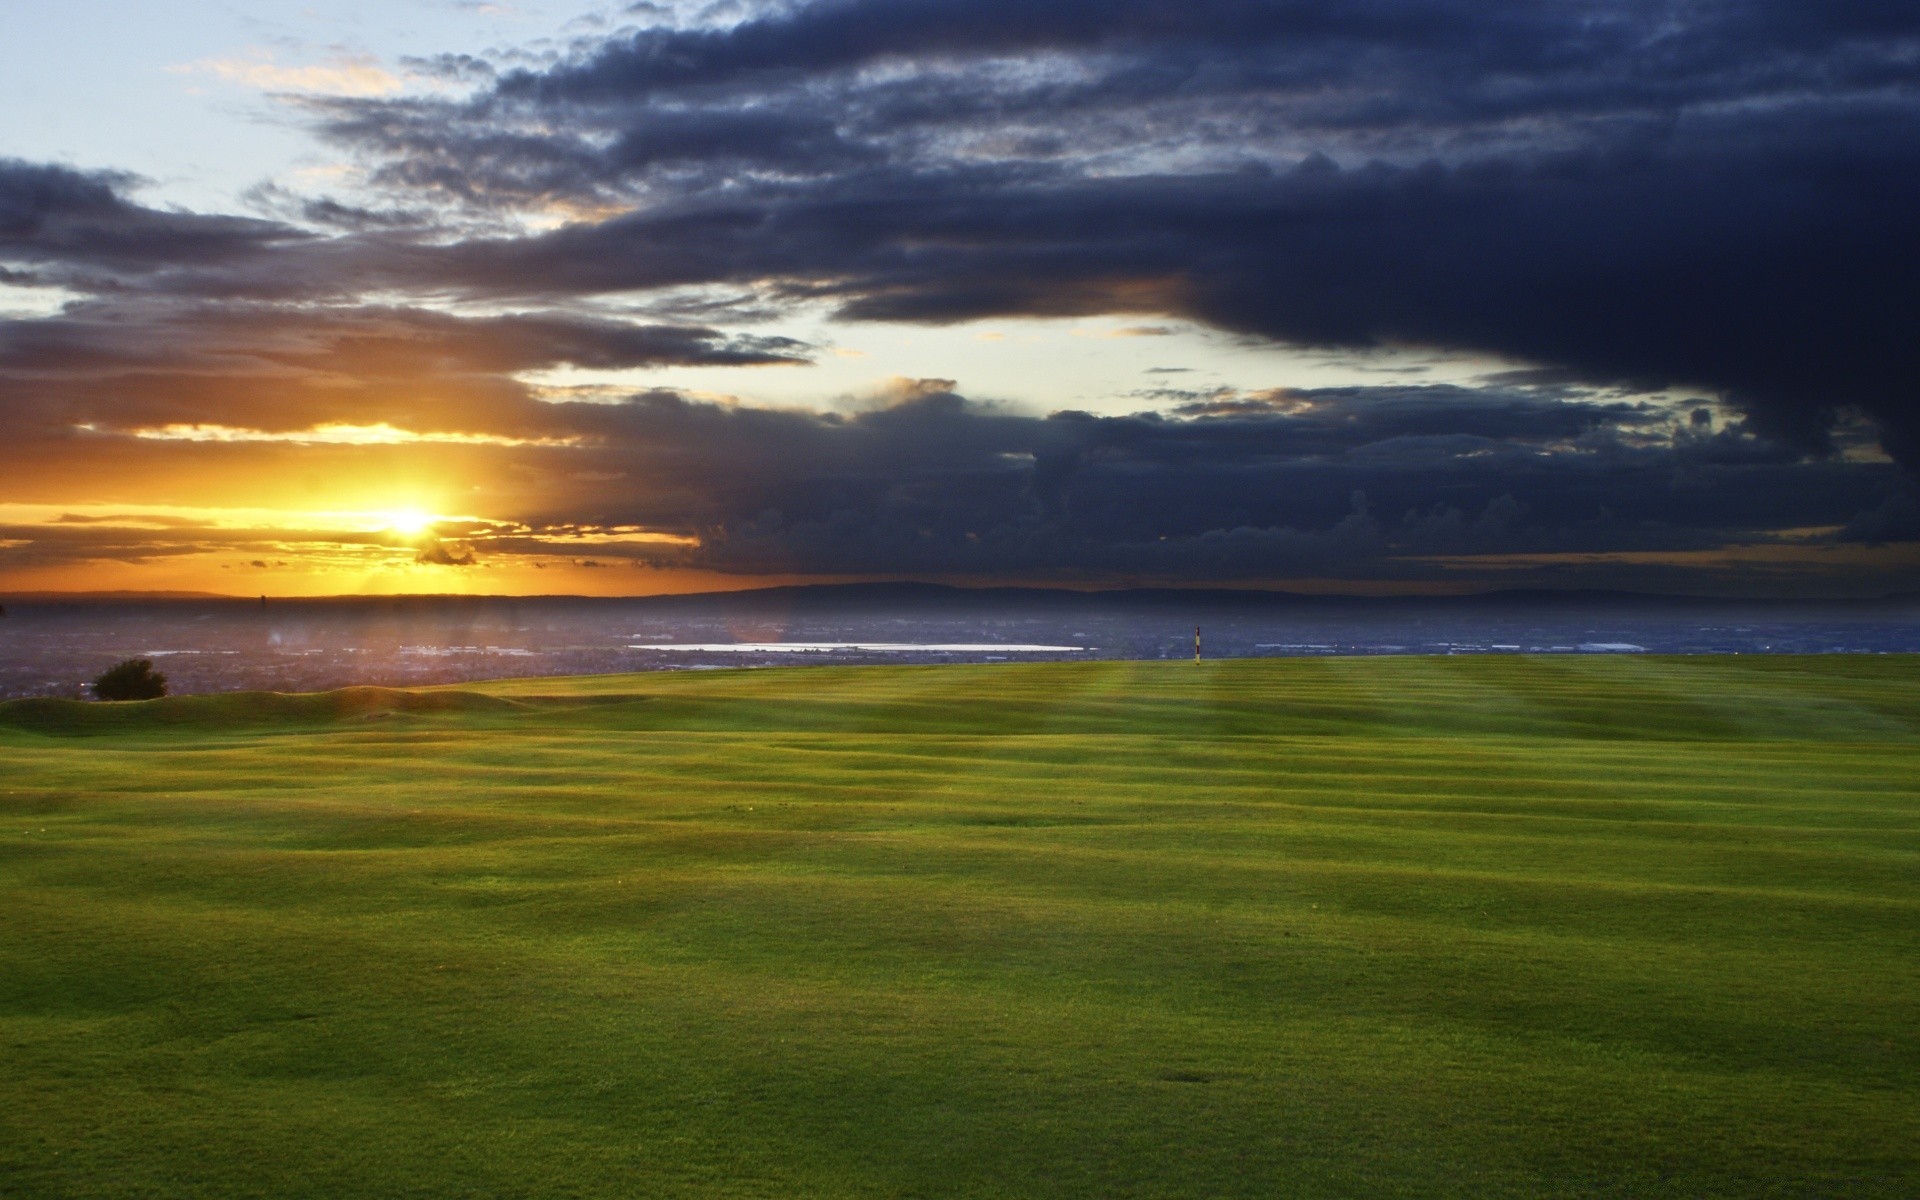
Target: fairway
pixel 1501 926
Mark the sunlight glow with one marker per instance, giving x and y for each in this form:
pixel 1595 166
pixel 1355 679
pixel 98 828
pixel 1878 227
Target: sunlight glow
pixel 409 522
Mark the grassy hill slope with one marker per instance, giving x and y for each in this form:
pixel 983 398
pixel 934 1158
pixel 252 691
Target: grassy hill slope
pixel 1346 927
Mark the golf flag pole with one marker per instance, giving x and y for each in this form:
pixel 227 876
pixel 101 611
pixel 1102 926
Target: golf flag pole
pixel 1196 643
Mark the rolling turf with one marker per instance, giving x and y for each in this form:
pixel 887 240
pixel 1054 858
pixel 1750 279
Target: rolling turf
pixel 1567 926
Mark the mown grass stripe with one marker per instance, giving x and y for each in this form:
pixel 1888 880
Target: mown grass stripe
pixel 1445 927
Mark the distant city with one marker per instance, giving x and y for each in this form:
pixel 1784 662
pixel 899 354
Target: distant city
pixel 55 646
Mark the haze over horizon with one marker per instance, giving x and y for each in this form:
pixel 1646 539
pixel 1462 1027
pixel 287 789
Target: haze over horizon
pixel 535 298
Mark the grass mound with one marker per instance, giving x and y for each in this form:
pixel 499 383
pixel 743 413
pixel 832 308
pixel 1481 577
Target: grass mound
pixel 1417 927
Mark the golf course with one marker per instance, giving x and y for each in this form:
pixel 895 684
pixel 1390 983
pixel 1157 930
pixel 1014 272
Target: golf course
pixel 1503 926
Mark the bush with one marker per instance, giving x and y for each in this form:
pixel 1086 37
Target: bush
pixel 134 679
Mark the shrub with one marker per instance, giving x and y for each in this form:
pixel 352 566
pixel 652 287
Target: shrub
pixel 134 679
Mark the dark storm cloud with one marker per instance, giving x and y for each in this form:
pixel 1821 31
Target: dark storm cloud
pixel 1689 193
pixel 1309 481
pixel 1357 415
pixel 1895 519
pixel 936 82
pixel 120 335
pixel 271 367
pixel 1362 483
pixel 1779 273
pixel 1580 54
pixel 80 228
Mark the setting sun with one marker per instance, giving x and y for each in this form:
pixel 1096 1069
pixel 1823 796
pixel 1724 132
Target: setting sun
pixel 409 522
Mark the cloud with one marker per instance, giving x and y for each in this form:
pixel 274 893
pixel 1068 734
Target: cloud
pixel 1689 194
pixel 933 482
pixel 335 434
pixel 1644 195
pixel 446 554
pixel 1895 519
pixel 342 374
pixel 1361 483
pixel 79 231
pixel 346 75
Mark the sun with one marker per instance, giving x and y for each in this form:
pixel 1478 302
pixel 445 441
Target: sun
pixel 409 522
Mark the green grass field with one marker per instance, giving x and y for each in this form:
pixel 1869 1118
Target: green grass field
pixel 1564 926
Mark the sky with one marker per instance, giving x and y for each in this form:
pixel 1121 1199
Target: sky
pixel 1365 296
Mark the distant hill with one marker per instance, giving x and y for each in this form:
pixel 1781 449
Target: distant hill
pixel 119 597
pixel 923 598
